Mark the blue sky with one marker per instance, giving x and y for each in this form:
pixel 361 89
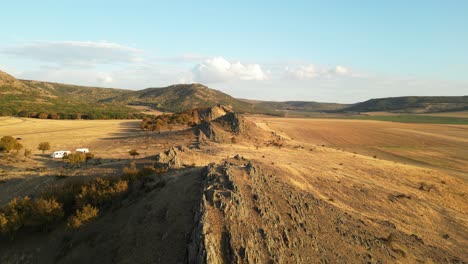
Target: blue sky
pixel 343 51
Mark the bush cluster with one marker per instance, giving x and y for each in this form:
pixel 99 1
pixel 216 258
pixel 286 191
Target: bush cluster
pixel 131 173
pixel 9 143
pixel 86 214
pixel 23 211
pixel 95 114
pixel 100 191
pixel 156 123
pixel 79 202
pixel 75 158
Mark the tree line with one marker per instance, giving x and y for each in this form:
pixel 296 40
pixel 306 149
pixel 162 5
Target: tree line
pixel 77 116
pixel 156 123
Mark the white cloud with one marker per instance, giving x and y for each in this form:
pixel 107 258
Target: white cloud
pixel 76 53
pixel 302 72
pixel 218 69
pixel 308 72
pixel 104 78
pixel 341 70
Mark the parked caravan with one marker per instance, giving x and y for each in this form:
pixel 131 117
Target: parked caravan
pixel 60 154
pixel 82 150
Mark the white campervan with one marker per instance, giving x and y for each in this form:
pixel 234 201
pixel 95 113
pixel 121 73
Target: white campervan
pixel 60 154
pixel 82 150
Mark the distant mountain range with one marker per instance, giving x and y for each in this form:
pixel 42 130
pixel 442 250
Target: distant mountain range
pixel 23 97
pixel 304 106
pixel 412 104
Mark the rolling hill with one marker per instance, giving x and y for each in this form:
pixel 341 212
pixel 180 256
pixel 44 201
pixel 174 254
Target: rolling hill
pixel 181 97
pixel 19 97
pixel 23 97
pixel 305 106
pixel 412 104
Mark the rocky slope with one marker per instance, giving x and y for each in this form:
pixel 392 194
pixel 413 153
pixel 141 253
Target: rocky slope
pixel 249 213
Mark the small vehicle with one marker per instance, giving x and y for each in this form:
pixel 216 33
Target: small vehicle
pixel 82 150
pixel 60 154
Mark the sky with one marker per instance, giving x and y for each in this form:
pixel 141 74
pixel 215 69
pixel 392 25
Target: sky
pixel 329 51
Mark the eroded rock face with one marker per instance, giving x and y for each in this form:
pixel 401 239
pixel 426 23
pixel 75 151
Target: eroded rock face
pixel 249 215
pixel 209 131
pixel 223 128
pixel 211 113
pixel 233 122
pixel 170 159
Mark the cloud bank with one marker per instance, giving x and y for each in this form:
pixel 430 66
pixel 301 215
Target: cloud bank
pixel 218 69
pixel 309 72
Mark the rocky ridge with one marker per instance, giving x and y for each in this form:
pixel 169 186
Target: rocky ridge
pixel 249 214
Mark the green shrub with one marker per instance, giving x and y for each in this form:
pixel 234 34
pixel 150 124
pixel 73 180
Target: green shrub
pixel 23 211
pixel 64 194
pixel 3 224
pixel 86 214
pixel 75 158
pixel 46 211
pixel 130 173
pixel 15 214
pixel 100 191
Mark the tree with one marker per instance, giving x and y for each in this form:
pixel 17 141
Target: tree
pixel 43 146
pixel 53 116
pixel 133 153
pixel 8 143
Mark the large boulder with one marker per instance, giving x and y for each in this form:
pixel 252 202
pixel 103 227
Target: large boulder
pixel 213 112
pixel 170 159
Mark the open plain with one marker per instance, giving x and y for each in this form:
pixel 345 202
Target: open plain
pixel 438 146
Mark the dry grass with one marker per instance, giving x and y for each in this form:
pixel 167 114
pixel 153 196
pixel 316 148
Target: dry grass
pixel 65 134
pixel 430 145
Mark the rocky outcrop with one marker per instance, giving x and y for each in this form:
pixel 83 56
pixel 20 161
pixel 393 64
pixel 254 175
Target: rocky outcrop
pixel 170 159
pixel 247 214
pixel 233 122
pixel 223 128
pixel 211 113
pixel 209 131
